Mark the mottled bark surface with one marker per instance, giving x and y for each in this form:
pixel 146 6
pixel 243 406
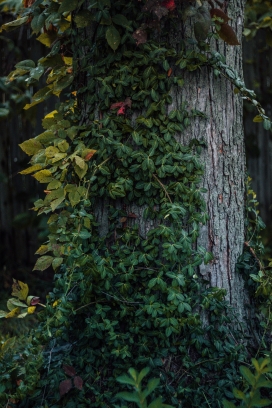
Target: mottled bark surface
pixel 224 164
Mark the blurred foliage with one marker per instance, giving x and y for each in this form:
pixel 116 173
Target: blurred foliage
pixel 258 15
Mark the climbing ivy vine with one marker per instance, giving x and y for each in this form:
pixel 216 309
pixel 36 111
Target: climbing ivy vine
pixel 123 295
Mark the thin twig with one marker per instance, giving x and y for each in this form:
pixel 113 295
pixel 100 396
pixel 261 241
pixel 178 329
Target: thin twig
pixel 254 254
pixel 164 189
pixel 120 300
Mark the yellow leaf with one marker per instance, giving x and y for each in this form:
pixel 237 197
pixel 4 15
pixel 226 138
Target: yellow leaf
pixel 68 60
pixel 43 176
pixel 80 162
pixel 56 302
pixel 51 151
pixel 42 250
pixel 19 289
pixel 31 169
pixel 31 146
pixel 31 309
pixel 47 39
pixel 51 114
pixel 13 313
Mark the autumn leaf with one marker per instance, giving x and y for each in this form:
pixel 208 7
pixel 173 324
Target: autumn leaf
pixel 89 155
pixel 228 35
pixel 169 4
pixel 65 387
pixel 69 370
pixel 219 13
pixel 78 382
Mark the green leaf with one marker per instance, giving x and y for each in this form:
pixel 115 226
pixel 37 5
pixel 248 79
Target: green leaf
pixel 68 5
pixel 127 396
pixel 247 374
pixel 238 394
pixel 26 65
pixel 267 124
pixel 113 37
pixel 157 403
pixel 125 379
pixel 83 18
pixel 57 262
pixel 121 20
pixel 14 24
pixel 228 404
pixel 143 374
pixel 43 263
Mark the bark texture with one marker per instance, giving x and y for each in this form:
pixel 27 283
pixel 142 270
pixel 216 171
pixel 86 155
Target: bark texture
pixel 224 164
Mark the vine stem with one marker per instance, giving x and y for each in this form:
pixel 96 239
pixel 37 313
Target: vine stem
pixel 254 254
pixel 163 187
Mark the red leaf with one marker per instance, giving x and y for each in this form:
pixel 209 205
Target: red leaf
pixel 69 370
pixel 78 382
pixel 122 110
pixel 117 105
pixel 169 4
pixel 89 155
pixel 65 387
pixel 34 301
pixel 169 72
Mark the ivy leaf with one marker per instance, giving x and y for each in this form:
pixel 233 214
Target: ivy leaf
pixel 121 20
pixel 43 263
pixel 228 35
pixel 113 37
pixel 64 387
pixel 68 5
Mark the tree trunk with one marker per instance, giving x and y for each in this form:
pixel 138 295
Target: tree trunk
pixel 223 159
pixel 224 164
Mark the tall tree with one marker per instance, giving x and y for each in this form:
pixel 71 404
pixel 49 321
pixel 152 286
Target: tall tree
pixel 143 162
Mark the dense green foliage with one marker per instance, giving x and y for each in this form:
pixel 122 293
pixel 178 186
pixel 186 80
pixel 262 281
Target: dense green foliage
pixel 123 297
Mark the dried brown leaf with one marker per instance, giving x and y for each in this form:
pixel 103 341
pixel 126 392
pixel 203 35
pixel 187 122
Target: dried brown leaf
pixel 69 370
pixel 228 35
pixel 78 382
pixel 65 387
